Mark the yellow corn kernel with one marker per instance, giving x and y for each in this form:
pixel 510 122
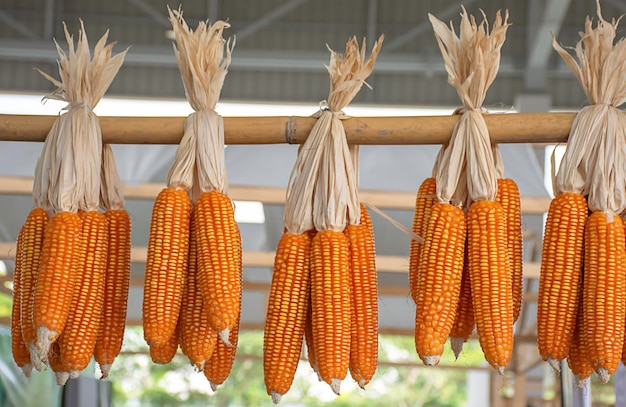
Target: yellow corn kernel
pixel 426 198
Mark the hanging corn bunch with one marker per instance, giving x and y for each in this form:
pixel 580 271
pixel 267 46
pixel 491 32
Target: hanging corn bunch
pixel 467 181
pixel 592 168
pixel 62 260
pixel 324 266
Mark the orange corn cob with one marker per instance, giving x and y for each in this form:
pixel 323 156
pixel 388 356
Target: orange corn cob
pixel 83 324
pixel 308 337
pixel 197 338
pixel 57 274
pixel 439 285
pixel 117 280
pixel 163 353
pixel 464 319
pixel 55 361
pixel 21 355
pixel 364 296
pixel 509 197
pixel 604 292
pixel 426 198
pixel 32 241
pixel 219 260
pixel 560 281
pixel 166 264
pixel 217 369
pixel 491 280
pixel 330 299
pixel 577 358
pixel 286 313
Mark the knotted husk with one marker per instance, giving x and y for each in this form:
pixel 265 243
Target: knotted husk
pixel 322 192
pixel 593 163
pixel 111 193
pixel 203 58
pixel 472 60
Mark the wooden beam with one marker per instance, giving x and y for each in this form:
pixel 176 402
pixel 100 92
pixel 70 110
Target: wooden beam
pixel 503 128
pixel 272 195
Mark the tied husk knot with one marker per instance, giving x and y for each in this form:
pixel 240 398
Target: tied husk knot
pixel 466 169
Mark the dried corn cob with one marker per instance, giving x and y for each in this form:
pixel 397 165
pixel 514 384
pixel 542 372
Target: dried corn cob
pixel 217 369
pixel 57 274
pixel 168 251
pixel 20 352
pixel 83 324
pixel 163 353
pixel 286 313
pixel 426 198
pixel 560 281
pixel 509 197
pixel 364 290
pixel 308 338
pixel 577 357
pixel 440 280
pixel 197 338
pixel 491 280
pixel 464 318
pixel 604 292
pixel 219 260
pixel 117 280
pixel 330 299
pixel 61 372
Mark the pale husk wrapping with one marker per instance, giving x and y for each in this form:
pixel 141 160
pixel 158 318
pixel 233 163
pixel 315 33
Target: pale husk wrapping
pixel 69 169
pixel 203 58
pixel 323 187
pixel 111 192
pixel 472 60
pixel 595 156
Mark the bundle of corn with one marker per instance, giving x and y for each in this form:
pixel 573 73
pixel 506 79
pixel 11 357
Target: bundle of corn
pixel 324 270
pixel 193 270
pixel 467 180
pixel 117 277
pixel 592 168
pixel 62 263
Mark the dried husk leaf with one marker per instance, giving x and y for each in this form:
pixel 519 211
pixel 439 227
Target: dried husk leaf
pixel 593 163
pixel 73 146
pixel 472 60
pixel 323 186
pixel 203 58
pixel 111 192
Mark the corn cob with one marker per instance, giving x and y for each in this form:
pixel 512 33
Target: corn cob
pixel 577 357
pixel 464 318
pixel 55 361
pixel 491 280
pixel 440 280
pixel 219 260
pixel 364 290
pixel 117 280
pixel 560 281
pixel 286 313
pixel 32 241
pixel 604 292
pixel 509 197
pixel 426 198
pixel 163 353
pixel 197 338
pixel 308 338
pixel 20 352
pixel 217 369
pixel 58 269
pixel 330 299
pixel 168 251
pixel 83 324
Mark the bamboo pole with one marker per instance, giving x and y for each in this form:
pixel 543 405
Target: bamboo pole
pixel 503 128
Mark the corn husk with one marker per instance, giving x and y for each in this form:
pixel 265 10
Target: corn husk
pixel 203 57
pixel 111 193
pixel 593 163
pixel 322 192
pixel 472 60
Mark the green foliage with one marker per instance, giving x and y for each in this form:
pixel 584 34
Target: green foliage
pixel 6 301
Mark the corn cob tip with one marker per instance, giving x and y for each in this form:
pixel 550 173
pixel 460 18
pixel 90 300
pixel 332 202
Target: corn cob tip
pixel 213 386
pixel 198 367
pixel 362 383
pixel 432 360
pixel 581 383
pixel 501 370
pixel 27 369
pixel 45 338
pixel 276 397
pixel 104 370
pixel 62 377
pixel 335 385
pixel 456 343
pixel 555 363
pixel 74 374
pixel 224 336
pixel 604 375
pixel 35 356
